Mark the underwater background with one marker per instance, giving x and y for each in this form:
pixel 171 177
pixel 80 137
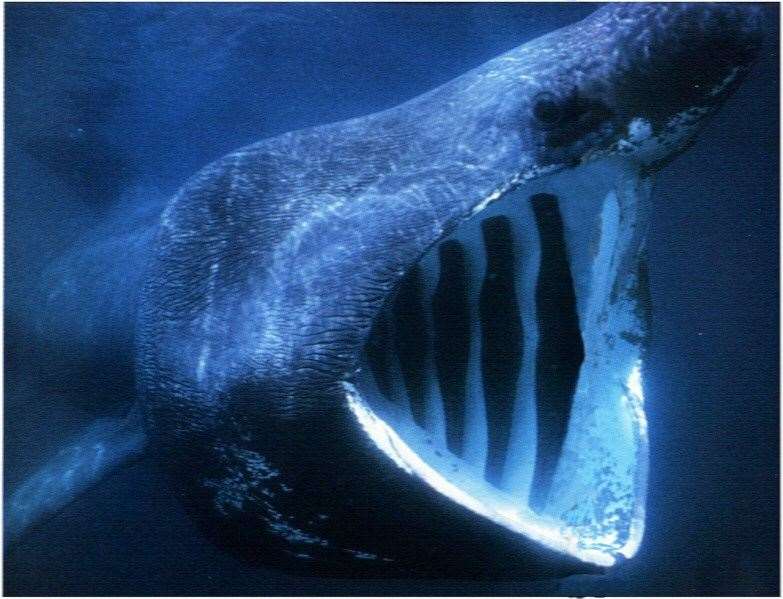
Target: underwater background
pixel 109 108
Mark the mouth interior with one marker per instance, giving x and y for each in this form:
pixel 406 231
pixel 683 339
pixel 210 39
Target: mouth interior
pixel 506 370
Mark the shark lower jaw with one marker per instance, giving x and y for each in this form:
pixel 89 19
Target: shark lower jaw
pixel 506 370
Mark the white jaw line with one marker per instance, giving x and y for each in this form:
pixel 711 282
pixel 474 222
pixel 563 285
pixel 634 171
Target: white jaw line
pixel 547 531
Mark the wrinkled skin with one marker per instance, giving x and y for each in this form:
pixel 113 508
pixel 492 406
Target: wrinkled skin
pixel 271 263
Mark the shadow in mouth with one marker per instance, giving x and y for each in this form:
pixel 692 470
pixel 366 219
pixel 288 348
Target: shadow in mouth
pixel 501 339
pixel 451 317
pixel 560 349
pixel 403 335
pixel 502 371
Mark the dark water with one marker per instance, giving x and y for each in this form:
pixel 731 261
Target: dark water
pixel 110 107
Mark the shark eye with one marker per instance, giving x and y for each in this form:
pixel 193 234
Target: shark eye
pixel 547 109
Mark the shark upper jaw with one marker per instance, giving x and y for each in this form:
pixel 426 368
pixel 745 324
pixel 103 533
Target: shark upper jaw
pixel 554 447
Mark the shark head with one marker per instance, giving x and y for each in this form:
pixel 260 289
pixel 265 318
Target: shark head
pixel 415 340
pixel 638 79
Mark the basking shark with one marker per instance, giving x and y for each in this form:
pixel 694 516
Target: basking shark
pixel 412 343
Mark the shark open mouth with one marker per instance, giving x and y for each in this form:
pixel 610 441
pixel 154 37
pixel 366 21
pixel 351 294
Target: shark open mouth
pixel 505 371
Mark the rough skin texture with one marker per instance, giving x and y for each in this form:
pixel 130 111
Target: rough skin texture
pixel 271 263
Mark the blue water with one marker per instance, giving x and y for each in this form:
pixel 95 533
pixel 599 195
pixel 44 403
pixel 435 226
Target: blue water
pixel 109 108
